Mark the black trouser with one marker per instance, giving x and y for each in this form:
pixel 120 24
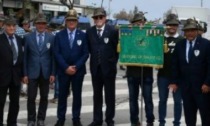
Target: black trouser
pixel 99 81
pixel 193 102
pixel 33 85
pixel 14 93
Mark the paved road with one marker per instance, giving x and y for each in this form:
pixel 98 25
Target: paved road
pixel 122 106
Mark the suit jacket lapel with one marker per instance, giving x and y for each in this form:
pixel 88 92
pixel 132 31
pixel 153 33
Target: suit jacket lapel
pixel 184 48
pixel 34 41
pixel 20 48
pixel 46 38
pixel 75 38
pixel 6 42
pixel 105 31
pixel 196 47
pixel 65 37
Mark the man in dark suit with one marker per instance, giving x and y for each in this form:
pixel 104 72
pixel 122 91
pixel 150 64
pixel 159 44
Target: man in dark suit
pixel 39 69
pixel 191 73
pixel 71 53
pixel 11 55
pixel 102 41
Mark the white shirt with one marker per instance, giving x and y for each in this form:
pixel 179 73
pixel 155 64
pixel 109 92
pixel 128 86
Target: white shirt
pixel 102 29
pixel 15 43
pixel 73 33
pixel 37 36
pixel 188 47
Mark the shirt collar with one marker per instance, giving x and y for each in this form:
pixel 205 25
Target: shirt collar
pixel 175 35
pixel 37 33
pixel 193 42
pixel 73 32
pixel 8 35
pixel 102 28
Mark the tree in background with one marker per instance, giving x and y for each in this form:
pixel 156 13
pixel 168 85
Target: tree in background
pixel 126 15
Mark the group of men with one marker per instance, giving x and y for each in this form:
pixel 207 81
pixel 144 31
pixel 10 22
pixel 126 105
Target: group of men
pixel 185 71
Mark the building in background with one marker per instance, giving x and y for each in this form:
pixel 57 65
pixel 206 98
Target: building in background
pixel 50 8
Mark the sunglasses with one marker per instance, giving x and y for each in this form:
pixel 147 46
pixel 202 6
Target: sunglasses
pixel 98 17
pixel 71 20
pixel 41 23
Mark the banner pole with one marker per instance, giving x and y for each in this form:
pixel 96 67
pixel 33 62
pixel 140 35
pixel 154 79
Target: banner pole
pixel 142 84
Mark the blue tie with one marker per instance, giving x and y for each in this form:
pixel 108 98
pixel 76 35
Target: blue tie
pixel 190 52
pixel 40 42
pixel 14 51
pixel 71 40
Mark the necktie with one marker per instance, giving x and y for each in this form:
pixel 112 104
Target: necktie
pixel 71 40
pixel 190 52
pixel 99 32
pixel 40 42
pixel 14 51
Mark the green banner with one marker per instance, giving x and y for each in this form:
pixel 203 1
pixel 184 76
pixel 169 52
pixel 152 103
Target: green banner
pixel 141 46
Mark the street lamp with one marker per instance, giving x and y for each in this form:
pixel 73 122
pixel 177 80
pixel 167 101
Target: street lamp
pixel 109 8
pixel 201 3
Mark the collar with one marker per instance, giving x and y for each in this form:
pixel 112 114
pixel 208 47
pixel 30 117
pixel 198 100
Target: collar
pixel 102 28
pixel 37 33
pixel 73 32
pixel 174 36
pixel 193 41
pixel 8 35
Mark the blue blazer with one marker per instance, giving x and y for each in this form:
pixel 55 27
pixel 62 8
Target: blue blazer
pixel 36 61
pixel 66 56
pixel 107 44
pixel 194 74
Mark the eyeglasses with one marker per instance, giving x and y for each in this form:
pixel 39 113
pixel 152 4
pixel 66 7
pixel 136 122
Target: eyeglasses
pixel 98 17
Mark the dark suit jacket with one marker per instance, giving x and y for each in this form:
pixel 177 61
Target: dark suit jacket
pixel 8 71
pixel 35 60
pixel 196 73
pixel 107 45
pixel 66 56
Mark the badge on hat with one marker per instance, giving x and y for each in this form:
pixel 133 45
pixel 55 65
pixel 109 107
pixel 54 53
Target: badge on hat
pixel 48 45
pixel 106 40
pixel 79 42
pixel 196 52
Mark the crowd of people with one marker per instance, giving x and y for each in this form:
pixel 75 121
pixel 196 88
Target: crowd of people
pixel 38 58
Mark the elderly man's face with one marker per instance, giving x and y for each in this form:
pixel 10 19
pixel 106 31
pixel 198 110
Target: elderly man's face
pixel 71 24
pixel 99 20
pixel 41 26
pixel 10 29
pixel 191 34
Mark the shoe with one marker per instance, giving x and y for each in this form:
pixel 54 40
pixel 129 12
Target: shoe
pixel 11 124
pixel 40 123
pixel 161 124
pixel 150 124
pixel 95 124
pixel 59 123
pixel 31 123
pixel 23 94
pixel 136 124
pixel 110 124
pixel 54 100
pixel 122 68
pixel 77 123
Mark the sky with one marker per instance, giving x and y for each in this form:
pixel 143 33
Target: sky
pixel 155 8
